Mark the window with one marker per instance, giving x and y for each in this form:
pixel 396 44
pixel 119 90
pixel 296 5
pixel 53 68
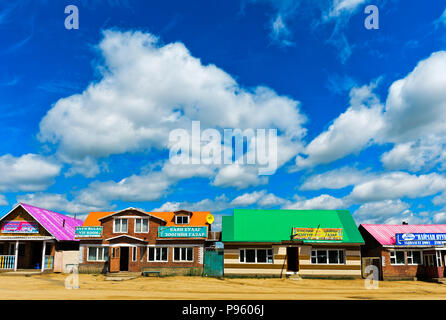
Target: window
pixel 397 257
pixel 256 256
pixel 134 250
pixel 182 219
pixel 183 254
pixel 141 225
pixel 414 257
pixel 114 252
pixel 97 254
pixel 429 260
pixel 157 254
pixel 327 257
pixel 142 251
pixel 11 249
pixel 438 255
pixel 120 226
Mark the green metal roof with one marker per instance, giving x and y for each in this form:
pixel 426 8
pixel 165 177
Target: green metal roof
pixel 249 225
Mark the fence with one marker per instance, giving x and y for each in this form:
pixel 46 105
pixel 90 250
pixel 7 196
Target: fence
pixel 7 262
pixel 213 263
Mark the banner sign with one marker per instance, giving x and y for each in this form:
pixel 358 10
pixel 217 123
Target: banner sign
pixel 420 239
pixel 183 232
pixel 20 227
pixel 317 233
pixel 88 232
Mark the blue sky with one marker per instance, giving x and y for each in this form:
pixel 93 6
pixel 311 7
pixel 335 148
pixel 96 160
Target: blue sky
pixel 86 113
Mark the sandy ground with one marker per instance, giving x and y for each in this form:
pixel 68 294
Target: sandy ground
pixel 52 286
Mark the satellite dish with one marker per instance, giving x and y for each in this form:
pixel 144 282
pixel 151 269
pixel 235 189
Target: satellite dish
pixel 210 218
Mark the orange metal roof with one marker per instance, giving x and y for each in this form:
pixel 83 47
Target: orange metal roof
pixel 92 219
pixel 198 218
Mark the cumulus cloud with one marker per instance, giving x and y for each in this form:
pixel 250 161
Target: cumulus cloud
pixel 394 185
pixel 59 202
pixel 258 197
pixel 321 202
pixel 412 119
pixel 440 218
pixel 149 89
pixel 336 179
pixel 351 132
pixel 380 210
pixel 3 200
pixel 29 172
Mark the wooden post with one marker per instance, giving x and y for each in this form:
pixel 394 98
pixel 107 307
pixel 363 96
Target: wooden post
pixel 43 256
pixel 16 254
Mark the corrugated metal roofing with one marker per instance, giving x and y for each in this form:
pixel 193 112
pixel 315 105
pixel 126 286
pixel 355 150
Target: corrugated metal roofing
pixel 385 233
pixel 53 222
pixel 248 225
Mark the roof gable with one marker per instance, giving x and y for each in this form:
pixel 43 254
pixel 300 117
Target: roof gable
pixel 276 225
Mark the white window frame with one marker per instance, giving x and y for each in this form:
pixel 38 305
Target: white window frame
pixel 181 254
pixel 120 225
pixel 438 258
pixel 409 257
pixel 268 256
pixel 97 253
pixel 433 257
pixel 187 217
pixel 155 248
pixel 393 252
pixel 328 258
pixel 142 219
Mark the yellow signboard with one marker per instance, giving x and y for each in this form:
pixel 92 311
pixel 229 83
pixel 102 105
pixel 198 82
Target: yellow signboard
pixel 210 218
pixel 317 233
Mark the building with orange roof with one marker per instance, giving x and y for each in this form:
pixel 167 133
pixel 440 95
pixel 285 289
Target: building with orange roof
pixel 136 241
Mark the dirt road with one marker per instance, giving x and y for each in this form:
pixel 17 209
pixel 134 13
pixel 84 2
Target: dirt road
pixel 52 286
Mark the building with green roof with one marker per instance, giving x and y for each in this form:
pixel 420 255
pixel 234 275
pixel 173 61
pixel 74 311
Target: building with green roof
pixel 309 243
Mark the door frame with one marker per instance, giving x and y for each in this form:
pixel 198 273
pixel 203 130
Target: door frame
pixel 122 259
pixel 296 250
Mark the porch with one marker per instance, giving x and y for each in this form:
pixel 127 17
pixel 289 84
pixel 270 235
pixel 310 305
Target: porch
pixel 26 255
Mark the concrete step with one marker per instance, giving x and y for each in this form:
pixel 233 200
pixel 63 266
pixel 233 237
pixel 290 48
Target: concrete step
pixel 121 276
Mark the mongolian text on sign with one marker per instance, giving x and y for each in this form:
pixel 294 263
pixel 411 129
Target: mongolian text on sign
pixel 317 233
pixel 420 239
pixel 20 227
pixel 88 232
pixel 183 232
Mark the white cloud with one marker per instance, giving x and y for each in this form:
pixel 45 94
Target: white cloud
pixel 3 200
pixel 239 177
pixel 115 116
pixel 336 179
pixel 440 199
pixel 59 202
pixel 440 218
pixel 321 202
pixel 351 132
pixel 29 172
pixel 258 197
pixel 396 185
pixel 340 7
pixel 380 209
pixel 408 217
pixel 441 20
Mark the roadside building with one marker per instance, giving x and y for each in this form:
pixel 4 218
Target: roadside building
pixel 36 238
pixel 134 240
pixel 308 243
pixel 405 251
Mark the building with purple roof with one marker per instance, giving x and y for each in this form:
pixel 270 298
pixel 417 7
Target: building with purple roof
pixel 39 239
pixel 404 251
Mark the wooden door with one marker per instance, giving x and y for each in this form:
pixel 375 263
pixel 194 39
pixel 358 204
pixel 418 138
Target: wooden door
pixel 114 259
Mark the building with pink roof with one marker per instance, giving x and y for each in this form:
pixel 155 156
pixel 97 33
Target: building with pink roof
pixel 404 251
pixel 36 238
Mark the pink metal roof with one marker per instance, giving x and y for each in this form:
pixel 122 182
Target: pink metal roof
pixel 53 222
pixel 385 233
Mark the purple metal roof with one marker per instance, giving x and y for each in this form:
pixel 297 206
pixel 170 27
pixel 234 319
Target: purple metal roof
pixel 385 233
pixel 53 222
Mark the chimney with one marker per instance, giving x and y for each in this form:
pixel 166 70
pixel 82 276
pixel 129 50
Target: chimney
pixel 63 223
pixel 74 216
pixel 405 223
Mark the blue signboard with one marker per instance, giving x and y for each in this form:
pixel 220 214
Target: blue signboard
pixel 420 239
pixel 20 227
pixel 183 232
pixel 88 232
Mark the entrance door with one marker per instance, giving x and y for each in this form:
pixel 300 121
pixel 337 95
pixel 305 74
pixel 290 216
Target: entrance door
pixel 124 259
pixel 292 254
pixel 114 259
pixel 36 255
